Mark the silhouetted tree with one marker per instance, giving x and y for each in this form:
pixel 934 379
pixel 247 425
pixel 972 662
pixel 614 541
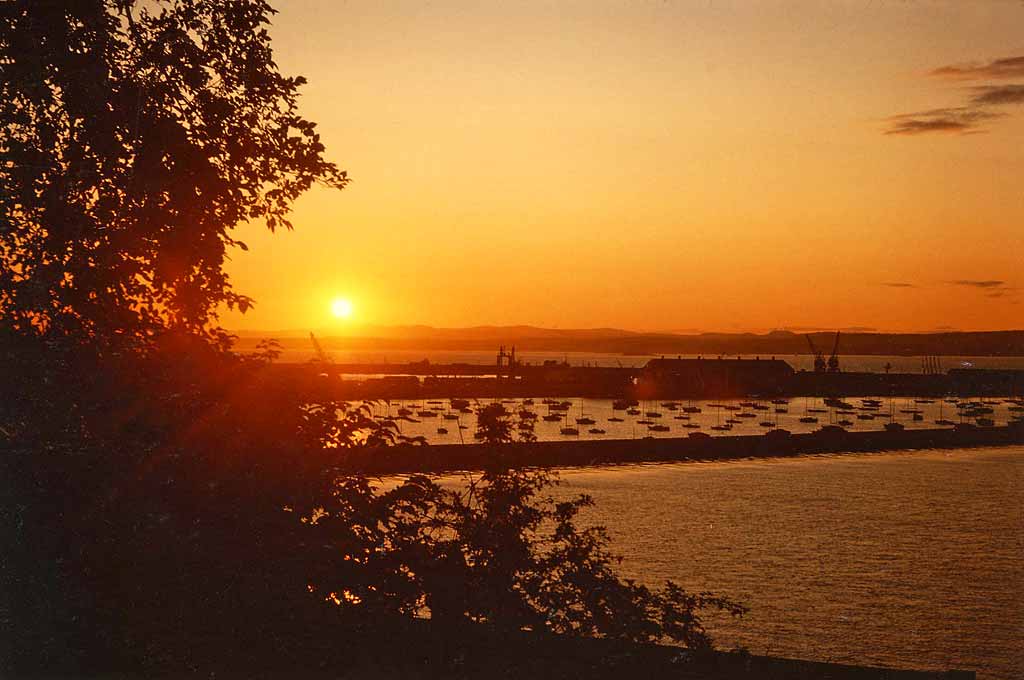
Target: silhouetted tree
pixel 136 136
pixel 143 464
pixel 168 504
pixel 496 425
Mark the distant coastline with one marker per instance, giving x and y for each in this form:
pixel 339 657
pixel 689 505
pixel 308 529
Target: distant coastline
pixel 629 343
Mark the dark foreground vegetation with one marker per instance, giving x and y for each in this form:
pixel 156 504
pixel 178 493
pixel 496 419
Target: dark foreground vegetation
pixel 165 512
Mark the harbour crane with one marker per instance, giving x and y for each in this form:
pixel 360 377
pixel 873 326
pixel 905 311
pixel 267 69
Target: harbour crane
pixel 321 356
pixel 833 361
pixel 819 359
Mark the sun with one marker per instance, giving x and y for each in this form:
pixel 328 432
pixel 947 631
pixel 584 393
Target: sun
pixel 342 308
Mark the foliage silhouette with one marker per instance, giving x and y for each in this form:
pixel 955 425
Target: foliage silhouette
pixel 171 506
pixel 136 136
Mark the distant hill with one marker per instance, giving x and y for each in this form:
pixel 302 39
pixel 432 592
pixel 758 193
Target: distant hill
pixel 618 341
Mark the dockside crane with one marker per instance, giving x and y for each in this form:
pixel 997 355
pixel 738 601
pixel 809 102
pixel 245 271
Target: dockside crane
pixel 321 356
pixel 833 361
pixel 819 359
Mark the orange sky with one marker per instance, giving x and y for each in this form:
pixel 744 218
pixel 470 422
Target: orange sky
pixel 649 165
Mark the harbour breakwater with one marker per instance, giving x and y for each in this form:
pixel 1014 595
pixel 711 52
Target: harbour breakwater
pixel 405 459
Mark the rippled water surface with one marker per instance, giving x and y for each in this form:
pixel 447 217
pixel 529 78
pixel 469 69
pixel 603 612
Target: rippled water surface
pixel 911 560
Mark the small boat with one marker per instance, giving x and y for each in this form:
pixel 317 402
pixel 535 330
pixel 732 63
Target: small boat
pixel 595 430
pixel 746 415
pixel 427 414
pixel 585 421
pixel 917 417
pixel 782 410
pixel 570 431
pixel 658 428
pixel 682 416
pixel 894 427
pixel 633 411
pixel 450 416
pixel 781 402
pixel 731 407
pixel 845 423
pixel 691 409
pixel 652 414
pixel 459 403
pixel 442 430
pixel 645 422
pixel 808 419
pixel 944 421
pixel 615 419
pixel 767 423
pixel 733 421
pixel 552 417
pixel 817 410
pixel 691 426
pixel 985 422
pixel 721 428
pixel 623 404
pixel 404 412
pixel 760 407
pixel 865 416
pixel 527 402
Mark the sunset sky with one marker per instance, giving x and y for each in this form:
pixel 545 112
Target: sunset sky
pixel 664 165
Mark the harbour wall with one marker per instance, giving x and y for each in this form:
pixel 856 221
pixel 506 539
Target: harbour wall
pixel 423 381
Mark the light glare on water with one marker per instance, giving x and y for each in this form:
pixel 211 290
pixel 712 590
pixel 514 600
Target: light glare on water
pixel 912 560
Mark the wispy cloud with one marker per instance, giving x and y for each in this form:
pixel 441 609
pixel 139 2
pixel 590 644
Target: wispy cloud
pixel 1010 67
pixel 991 288
pixel 958 120
pixel 997 95
pixel 971 118
pixel 898 284
pixel 978 284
